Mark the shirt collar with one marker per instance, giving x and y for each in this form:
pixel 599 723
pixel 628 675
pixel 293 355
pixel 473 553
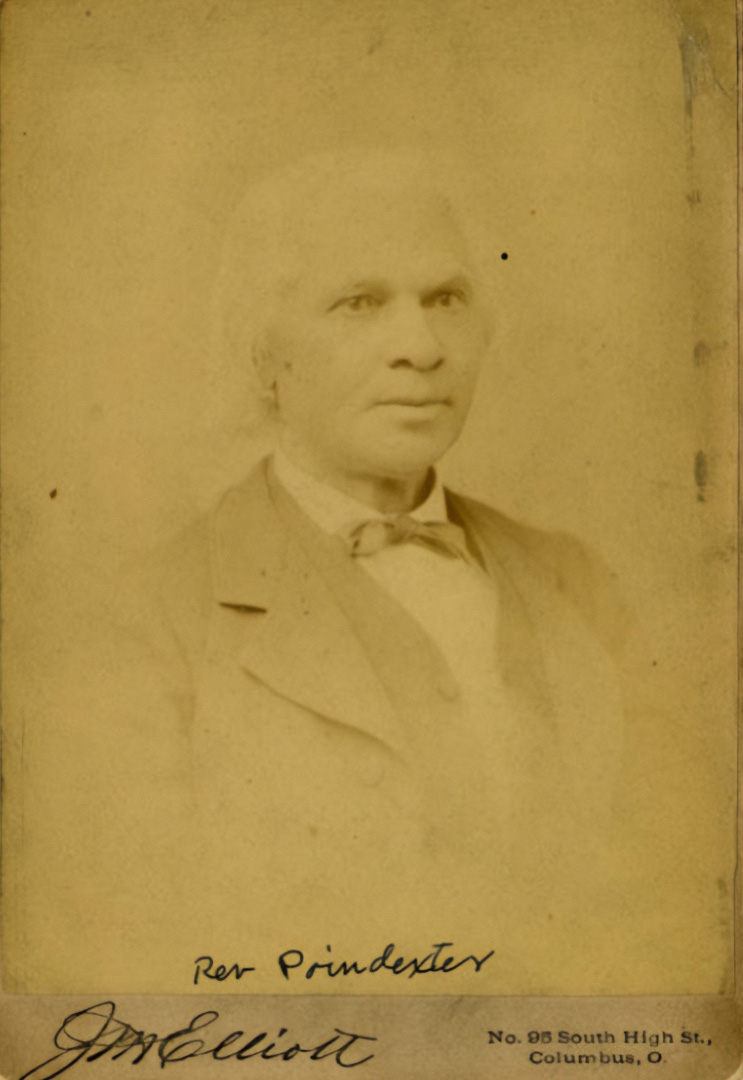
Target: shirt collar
pixel 333 510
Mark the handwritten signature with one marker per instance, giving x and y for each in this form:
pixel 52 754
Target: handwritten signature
pixel 92 1033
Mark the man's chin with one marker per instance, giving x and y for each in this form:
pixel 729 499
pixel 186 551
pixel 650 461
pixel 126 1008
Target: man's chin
pixel 402 461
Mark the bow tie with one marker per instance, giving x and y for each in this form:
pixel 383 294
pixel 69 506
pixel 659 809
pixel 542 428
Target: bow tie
pixel 444 537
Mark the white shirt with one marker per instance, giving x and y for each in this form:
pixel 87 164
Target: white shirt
pixel 455 602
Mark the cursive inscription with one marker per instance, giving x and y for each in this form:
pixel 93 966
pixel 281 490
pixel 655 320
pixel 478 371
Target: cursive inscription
pixel 92 1033
pixel 293 960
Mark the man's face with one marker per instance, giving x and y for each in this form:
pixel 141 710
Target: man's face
pixel 376 347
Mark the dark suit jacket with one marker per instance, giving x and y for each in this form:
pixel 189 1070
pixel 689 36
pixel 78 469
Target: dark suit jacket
pixel 254 610
pixel 311 626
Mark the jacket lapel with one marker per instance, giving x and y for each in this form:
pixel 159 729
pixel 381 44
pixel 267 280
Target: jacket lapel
pixel 554 666
pixel 520 654
pixel 292 634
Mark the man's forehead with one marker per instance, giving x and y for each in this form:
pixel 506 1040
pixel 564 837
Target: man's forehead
pixel 364 236
pixel 347 274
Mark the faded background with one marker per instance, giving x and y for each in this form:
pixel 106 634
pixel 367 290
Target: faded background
pixel 601 135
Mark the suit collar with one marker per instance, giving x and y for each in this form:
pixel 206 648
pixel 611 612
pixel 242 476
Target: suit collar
pixel 249 538
pixel 249 543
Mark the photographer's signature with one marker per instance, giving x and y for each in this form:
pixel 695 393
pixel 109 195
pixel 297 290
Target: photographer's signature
pixel 97 1031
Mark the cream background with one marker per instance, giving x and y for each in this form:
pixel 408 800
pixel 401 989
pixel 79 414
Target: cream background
pixel 603 138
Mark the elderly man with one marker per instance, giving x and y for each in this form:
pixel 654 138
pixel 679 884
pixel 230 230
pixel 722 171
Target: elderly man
pixel 360 706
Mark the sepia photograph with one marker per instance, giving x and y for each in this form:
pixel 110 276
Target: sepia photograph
pixel 370 526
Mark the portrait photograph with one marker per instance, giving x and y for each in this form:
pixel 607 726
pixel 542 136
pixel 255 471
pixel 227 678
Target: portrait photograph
pixel 370 537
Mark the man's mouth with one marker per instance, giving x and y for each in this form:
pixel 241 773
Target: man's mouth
pixel 415 402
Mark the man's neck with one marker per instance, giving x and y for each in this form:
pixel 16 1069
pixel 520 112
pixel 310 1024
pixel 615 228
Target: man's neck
pixel 387 495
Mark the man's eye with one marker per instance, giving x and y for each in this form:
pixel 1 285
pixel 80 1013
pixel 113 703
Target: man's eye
pixel 362 302
pixel 449 298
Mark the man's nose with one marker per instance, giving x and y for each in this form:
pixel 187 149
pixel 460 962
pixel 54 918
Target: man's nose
pixel 412 341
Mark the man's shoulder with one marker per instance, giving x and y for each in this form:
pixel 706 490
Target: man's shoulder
pixel 185 562
pixel 556 560
pixel 220 550
pixel 182 577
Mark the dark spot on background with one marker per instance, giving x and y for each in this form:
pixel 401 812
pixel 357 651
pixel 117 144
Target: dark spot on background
pixel 504 255
pixel 53 493
pixel 700 473
pixel 376 42
pixel 702 352
pixel 689 60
